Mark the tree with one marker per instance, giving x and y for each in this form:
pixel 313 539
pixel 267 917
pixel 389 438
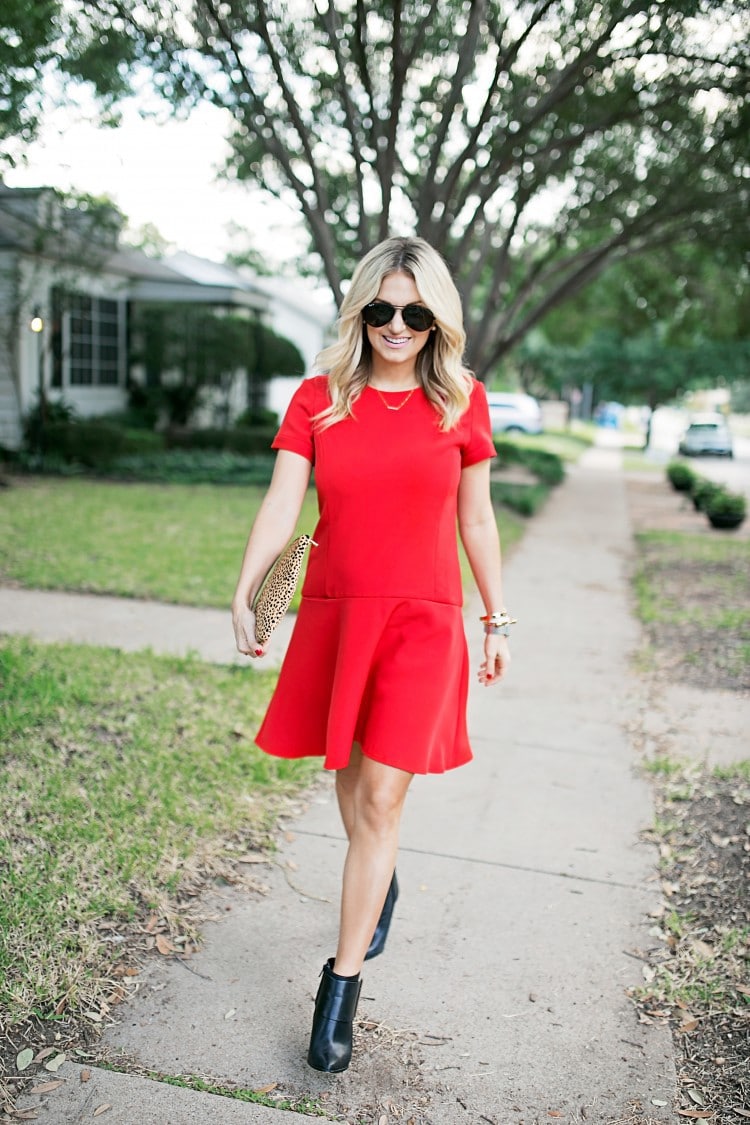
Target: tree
pixel 186 348
pixel 535 144
pixel 38 37
pixel 633 370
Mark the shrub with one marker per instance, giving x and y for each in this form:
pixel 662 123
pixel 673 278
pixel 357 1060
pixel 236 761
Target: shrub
pixel 92 443
pixel 194 466
pixel 547 466
pixel 701 491
pixel 680 476
pixel 526 499
pixel 257 416
pixel 243 440
pixel 726 509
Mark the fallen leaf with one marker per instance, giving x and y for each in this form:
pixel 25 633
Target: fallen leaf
pixel 741 1112
pixel 266 1089
pixel 152 924
pixel 62 1005
pixel 554 1113
pixel 744 989
pixel 101 1109
pixel 47 1087
pixel 24 1058
pixel 25 1115
pixel 659 1102
pixel 232 1012
pixel 85 1075
pixel 253 858
pixel 383 1119
pixel 55 1063
pixel 164 945
pixel 45 1053
pixel 702 948
pixel 693 1114
pixel 688 1025
pixel 695 1095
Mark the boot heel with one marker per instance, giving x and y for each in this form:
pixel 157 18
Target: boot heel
pixel 377 945
pixel 333 1022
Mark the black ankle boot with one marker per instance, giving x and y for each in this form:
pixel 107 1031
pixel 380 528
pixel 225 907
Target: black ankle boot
pixel 377 945
pixel 332 1030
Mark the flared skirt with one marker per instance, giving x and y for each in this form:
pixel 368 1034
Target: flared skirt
pixel 390 674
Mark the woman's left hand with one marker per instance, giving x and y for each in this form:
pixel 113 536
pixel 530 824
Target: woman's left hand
pixel 496 659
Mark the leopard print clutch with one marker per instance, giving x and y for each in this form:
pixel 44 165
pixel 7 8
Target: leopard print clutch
pixel 273 599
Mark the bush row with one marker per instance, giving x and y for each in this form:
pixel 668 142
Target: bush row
pixel 724 509
pixel 233 456
pixel 526 499
pixel 98 444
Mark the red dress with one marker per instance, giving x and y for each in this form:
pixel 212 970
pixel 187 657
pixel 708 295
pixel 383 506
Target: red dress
pixel 378 654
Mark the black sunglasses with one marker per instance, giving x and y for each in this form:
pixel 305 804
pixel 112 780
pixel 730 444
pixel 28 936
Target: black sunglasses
pixel 379 313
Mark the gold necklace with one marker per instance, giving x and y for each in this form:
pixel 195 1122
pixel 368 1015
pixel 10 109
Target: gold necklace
pixel 401 405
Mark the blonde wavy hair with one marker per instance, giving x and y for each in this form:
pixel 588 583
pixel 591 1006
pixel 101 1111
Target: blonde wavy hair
pixel 440 369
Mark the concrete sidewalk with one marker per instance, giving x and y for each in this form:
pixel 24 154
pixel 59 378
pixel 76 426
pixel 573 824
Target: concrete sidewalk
pixel 501 994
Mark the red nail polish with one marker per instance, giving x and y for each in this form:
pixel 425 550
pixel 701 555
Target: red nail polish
pixel 259 652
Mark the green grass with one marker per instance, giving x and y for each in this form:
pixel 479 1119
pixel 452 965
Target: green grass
pixel 174 543
pixel 718 569
pixel 123 779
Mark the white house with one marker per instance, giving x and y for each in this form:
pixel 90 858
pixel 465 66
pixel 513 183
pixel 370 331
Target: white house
pixel 67 287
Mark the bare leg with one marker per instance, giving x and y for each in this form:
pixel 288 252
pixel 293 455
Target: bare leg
pixel 371 798
pixel 346 787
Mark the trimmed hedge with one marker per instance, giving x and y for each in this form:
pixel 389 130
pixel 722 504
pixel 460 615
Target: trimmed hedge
pixel 680 476
pixel 240 440
pixel 194 466
pixel 526 499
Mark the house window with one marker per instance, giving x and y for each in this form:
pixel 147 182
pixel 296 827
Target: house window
pixel 89 350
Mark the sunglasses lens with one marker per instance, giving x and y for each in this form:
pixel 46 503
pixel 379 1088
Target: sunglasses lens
pixel 418 317
pixel 379 313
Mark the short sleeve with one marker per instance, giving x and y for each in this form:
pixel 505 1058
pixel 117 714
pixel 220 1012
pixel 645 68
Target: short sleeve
pixel 479 445
pixel 296 431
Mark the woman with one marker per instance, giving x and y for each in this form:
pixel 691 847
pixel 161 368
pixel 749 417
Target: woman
pixel 376 675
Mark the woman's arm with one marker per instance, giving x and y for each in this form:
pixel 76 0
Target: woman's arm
pixel 273 527
pixel 479 535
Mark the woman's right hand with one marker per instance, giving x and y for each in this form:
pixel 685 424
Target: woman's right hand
pixel 243 622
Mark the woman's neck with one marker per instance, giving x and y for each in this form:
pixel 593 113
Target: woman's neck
pixel 396 378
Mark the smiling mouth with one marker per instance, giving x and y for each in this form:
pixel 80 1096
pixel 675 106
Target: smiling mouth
pixel 397 339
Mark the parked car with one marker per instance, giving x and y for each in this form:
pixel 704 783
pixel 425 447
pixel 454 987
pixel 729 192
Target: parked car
pixel 707 433
pixel 519 412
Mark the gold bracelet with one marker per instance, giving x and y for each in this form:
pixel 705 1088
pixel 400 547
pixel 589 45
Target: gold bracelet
pixel 498 619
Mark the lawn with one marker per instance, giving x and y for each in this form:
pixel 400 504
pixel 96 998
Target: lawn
pixel 693 596
pixel 171 542
pixel 127 782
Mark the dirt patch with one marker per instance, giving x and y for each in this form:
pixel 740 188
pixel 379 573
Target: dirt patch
pixel 694 704
pixel 697 973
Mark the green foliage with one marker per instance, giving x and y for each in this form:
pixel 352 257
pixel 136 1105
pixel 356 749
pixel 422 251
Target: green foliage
pixel 702 490
pixel 194 466
pixel 242 439
pixel 642 369
pixel 680 476
pixel 726 509
pixel 206 349
pixel 525 498
pixel 46 412
pixel 460 122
